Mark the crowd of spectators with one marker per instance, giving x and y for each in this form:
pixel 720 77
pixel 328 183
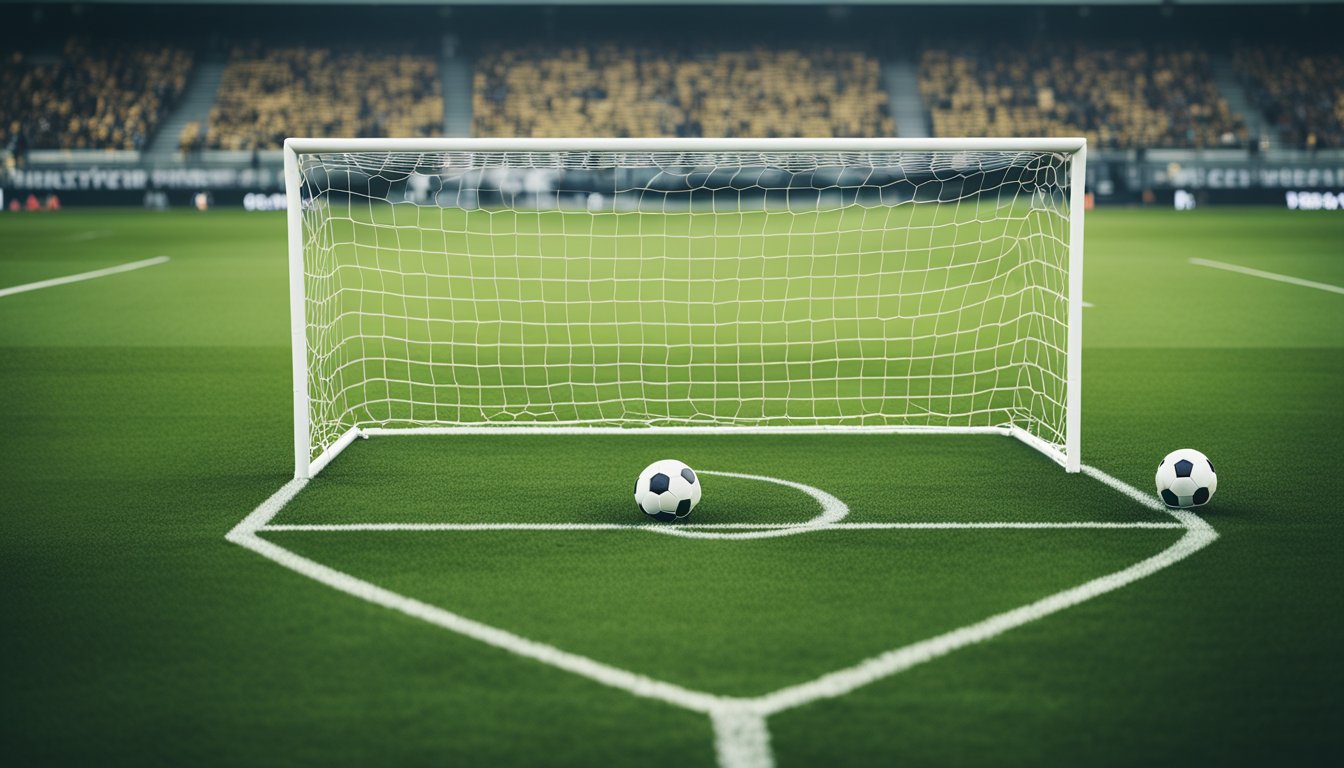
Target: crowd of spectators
pixel 268 94
pixel 109 96
pixel 628 90
pixel 114 96
pixel 1302 95
pixel 1118 97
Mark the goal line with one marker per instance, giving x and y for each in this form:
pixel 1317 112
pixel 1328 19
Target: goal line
pixel 354 433
pixel 486 527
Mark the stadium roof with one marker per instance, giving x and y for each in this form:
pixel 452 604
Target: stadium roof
pixel 707 2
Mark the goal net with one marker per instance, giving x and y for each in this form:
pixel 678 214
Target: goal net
pixel 805 285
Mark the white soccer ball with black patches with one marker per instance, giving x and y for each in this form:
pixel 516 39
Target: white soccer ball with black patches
pixel 667 490
pixel 1186 478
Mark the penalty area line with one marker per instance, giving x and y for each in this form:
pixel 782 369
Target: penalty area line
pixel 244 534
pixel 1198 535
pixel 55 281
pixel 355 527
pixel 741 735
pixel 1266 275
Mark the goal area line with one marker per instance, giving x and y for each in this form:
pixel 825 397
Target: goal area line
pixel 832 516
pixel 1053 452
pixel 658 527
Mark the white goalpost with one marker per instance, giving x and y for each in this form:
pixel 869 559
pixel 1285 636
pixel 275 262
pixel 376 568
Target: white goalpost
pixel 463 286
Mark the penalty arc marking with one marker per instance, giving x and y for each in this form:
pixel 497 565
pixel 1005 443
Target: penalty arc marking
pixel 833 511
pixel 742 738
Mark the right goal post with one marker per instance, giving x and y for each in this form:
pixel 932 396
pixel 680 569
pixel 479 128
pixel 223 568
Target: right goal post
pixel 685 285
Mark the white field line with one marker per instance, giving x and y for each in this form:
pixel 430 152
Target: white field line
pixel 83 276
pixel 244 534
pixel 1088 305
pixel 833 511
pixel 1198 534
pixel 1267 275
pixel 741 737
pixel 797 527
pixel 564 428
pixel 1003 526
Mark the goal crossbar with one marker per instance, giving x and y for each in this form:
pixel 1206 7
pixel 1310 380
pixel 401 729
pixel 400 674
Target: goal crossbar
pixel 1061 444
pixel 307 146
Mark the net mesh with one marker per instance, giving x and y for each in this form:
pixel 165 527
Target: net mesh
pixel 626 289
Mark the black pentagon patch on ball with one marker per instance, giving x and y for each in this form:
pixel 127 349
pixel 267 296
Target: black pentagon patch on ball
pixel 1201 495
pixel 683 507
pixel 1170 498
pixel 663 517
pixel 658 483
pixel 1184 468
pixel 688 474
pixel 1211 469
pixel 636 485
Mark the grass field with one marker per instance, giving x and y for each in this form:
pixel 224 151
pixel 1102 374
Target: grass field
pixel 149 412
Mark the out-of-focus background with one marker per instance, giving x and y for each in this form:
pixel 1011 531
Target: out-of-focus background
pixel 1183 103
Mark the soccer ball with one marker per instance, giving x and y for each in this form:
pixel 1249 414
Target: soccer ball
pixel 667 490
pixel 1186 479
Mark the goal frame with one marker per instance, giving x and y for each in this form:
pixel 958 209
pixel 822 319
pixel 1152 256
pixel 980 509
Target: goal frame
pixel 306 467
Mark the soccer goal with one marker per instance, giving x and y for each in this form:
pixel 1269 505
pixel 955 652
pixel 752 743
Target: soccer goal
pixel 655 285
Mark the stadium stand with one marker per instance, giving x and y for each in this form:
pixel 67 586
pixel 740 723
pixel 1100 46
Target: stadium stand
pixel 1302 95
pixel 1118 97
pixel 92 97
pixel 115 96
pixel 268 94
pixel 625 90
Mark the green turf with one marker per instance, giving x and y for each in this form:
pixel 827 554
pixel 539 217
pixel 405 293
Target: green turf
pixel 148 412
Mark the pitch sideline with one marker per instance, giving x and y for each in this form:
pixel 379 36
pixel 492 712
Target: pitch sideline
pixel 1275 276
pixel 742 737
pixel 55 281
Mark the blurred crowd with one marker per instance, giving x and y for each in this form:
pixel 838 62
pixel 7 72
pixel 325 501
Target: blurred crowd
pixel 628 90
pixel 89 97
pixel 268 94
pixel 114 96
pixel 1302 95
pixel 1116 97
